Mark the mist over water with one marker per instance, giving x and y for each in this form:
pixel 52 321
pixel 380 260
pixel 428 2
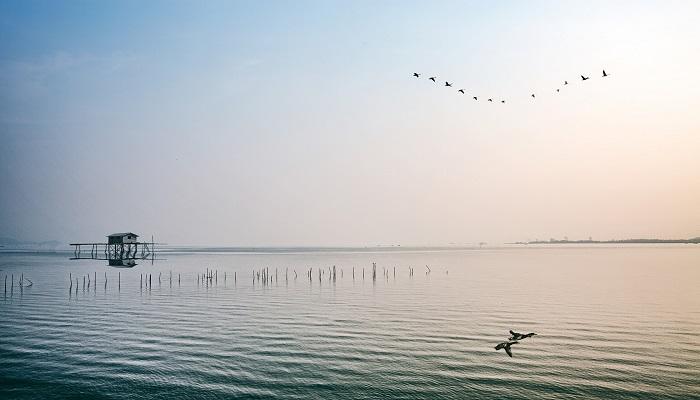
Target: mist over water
pixel 612 322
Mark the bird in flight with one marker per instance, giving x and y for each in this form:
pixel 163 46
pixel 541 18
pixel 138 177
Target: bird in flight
pixel 583 78
pixel 475 98
pixel 515 336
pixel 490 100
pixel 503 101
pixel 416 74
pixel 461 91
pixel 448 83
pixel 557 90
pixel 604 74
pixel 506 346
pixel 566 82
pixel 432 78
pixel 533 95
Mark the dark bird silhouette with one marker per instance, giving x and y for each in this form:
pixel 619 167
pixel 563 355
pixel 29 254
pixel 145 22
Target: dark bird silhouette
pixel 533 95
pixel 416 74
pixel 432 78
pixel 604 74
pixel 566 82
pixel 519 336
pixel 557 90
pixel 474 98
pixel 503 101
pixel 461 91
pixel 490 100
pixel 583 78
pixel 506 346
pixel 448 83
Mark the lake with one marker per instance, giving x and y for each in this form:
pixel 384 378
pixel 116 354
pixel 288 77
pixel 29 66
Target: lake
pixel 612 322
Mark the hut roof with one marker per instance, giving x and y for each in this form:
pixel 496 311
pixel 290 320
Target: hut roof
pixel 122 234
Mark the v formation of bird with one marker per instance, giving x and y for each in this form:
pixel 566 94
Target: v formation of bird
pixel 514 338
pixel 463 91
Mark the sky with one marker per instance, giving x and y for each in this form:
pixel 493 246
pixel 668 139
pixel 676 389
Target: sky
pixel 249 123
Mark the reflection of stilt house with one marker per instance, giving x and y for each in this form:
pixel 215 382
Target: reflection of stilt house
pixel 117 262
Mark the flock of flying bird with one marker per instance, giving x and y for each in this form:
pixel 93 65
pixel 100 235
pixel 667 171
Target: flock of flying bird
pixel 514 338
pixel 463 91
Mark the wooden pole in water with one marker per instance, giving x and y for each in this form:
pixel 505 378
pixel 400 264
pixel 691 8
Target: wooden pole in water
pixel 234 277
pixel 141 282
pixel 178 279
pixel 150 282
pixel 83 282
pixel 159 279
pixel 76 285
pixel 105 281
pixel 6 284
pixel 70 278
pixel 119 280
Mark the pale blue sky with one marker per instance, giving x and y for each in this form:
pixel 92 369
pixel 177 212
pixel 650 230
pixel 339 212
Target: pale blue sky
pixel 298 123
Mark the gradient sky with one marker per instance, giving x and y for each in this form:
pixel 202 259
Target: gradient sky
pixel 298 123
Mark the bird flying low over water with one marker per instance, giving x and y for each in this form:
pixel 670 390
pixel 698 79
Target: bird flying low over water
pixel 519 336
pixel 432 78
pixel 583 78
pixel 416 74
pixel 506 346
pixel 604 74
pixel 461 91
pixel 448 83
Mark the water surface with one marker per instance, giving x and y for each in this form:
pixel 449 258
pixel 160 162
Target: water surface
pixel 612 322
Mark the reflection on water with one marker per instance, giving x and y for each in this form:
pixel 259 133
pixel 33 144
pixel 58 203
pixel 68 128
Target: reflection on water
pixel 611 323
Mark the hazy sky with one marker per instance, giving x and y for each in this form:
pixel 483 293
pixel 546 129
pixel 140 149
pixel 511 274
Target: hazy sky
pixel 298 123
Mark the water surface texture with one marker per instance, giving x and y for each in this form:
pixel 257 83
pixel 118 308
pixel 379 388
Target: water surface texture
pixel 612 322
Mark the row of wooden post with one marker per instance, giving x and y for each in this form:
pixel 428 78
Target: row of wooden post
pixel 211 277
pixel 20 283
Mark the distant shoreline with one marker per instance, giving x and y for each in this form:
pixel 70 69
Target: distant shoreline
pixel 622 241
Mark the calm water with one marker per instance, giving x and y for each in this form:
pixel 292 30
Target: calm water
pixel 612 323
